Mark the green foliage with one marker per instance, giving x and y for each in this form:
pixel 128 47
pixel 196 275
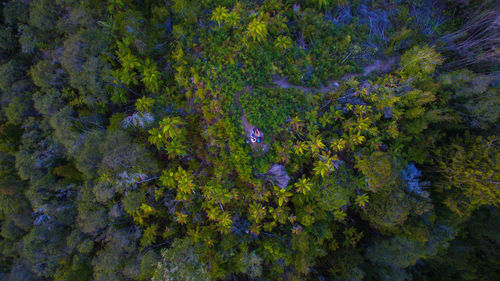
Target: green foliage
pixel 268 109
pixel 321 3
pixel 118 259
pixel 9 137
pixel 43 248
pixel 339 215
pixel 120 153
pixel 179 180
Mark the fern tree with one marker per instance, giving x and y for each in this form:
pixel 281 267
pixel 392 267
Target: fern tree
pixel 170 135
pixel 257 29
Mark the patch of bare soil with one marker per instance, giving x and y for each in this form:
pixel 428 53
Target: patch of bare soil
pixel 383 66
pixel 247 126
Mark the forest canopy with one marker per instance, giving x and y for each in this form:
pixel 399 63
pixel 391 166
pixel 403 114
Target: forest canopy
pixel 249 140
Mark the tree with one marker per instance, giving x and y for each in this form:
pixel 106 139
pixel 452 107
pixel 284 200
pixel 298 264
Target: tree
pixel 325 165
pixel 37 154
pixel 251 264
pixel 474 97
pixel 377 170
pixel 135 162
pixel 391 206
pixel 16 12
pixel 148 264
pixel 397 251
pixel 283 42
pixel 419 62
pixel 19 108
pixel 170 135
pixel 92 216
pixel 43 248
pixel 44 15
pixel 88 157
pixel 119 258
pixel 48 102
pixel 19 271
pixel 470 169
pixel 10 72
pixel 316 144
pixel 321 3
pixel 10 136
pixel 7 42
pixel 181 262
pixel 361 200
pixel 180 180
pixel 469 253
pixel 303 185
pixel 80 59
pixel 47 75
pixel 120 153
pixel 63 124
pixel 151 76
pixel 219 14
pixel 14 206
pixel 331 196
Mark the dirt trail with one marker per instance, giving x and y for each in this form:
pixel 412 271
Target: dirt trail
pixel 284 84
pixel 247 126
pixel 383 66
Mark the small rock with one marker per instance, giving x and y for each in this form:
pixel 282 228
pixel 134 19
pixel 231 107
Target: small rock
pixel 277 174
pixel 388 112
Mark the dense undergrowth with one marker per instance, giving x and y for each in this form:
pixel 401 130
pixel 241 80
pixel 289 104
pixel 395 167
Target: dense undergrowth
pixel 125 152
